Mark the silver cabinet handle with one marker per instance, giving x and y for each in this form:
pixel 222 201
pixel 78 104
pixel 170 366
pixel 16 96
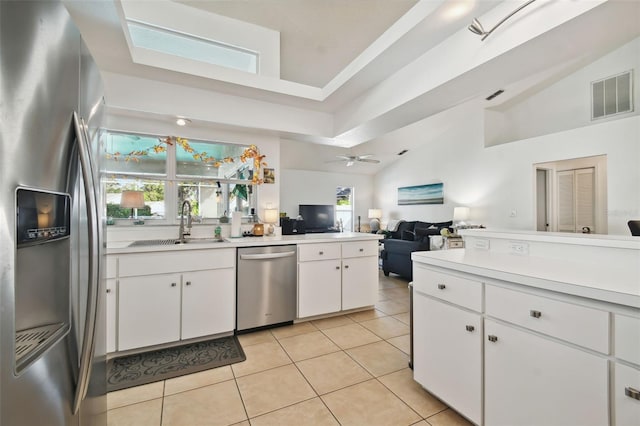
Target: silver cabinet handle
pixel 346 266
pixel 337 267
pixel 632 393
pixel 470 328
pixel 188 283
pixel 173 284
pixel 492 338
pixel 108 290
pixel 535 314
pixel 361 250
pixel 320 253
pixel 441 286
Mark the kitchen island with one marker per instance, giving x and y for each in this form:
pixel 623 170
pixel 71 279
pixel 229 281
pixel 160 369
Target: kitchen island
pixel 531 328
pixel 160 295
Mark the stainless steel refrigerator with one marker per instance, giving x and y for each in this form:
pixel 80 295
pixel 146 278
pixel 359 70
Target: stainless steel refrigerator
pixel 52 318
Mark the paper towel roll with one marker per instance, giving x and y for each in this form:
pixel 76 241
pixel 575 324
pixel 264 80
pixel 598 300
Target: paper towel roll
pixel 236 224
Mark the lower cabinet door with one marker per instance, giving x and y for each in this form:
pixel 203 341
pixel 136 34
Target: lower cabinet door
pixel 111 306
pixel 530 380
pixel 148 310
pixel 319 287
pixel 359 282
pixel 208 302
pixel 626 394
pixel 447 359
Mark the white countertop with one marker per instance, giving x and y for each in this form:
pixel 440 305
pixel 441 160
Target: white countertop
pixel 614 283
pixel 121 247
pixel 597 240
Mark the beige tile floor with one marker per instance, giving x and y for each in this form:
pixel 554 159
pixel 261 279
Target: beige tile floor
pixel 345 370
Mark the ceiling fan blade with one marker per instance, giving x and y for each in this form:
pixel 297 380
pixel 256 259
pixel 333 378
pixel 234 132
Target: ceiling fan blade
pixel 364 160
pixel 345 157
pixel 360 157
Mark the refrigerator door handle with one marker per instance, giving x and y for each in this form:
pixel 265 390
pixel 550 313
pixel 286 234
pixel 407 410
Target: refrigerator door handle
pixel 88 341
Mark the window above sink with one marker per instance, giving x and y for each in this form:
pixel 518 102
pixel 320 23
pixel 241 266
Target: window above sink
pixel 216 177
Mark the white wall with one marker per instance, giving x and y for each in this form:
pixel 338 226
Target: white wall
pixel 313 187
pixel 495 181
pixel 565 104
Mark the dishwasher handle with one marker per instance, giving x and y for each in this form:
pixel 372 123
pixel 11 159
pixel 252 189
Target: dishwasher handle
pixel 263 256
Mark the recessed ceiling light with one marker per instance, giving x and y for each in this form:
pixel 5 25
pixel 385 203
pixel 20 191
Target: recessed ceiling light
pixel 182 121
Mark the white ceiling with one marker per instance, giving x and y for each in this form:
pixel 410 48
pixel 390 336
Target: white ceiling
pixel 346 49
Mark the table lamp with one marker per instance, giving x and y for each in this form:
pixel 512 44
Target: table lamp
pixel 375 215
pixel 460 214
pixel 271 216
pixel 132 200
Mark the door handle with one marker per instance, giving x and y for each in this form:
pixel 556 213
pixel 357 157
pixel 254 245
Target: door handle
pixel 94 295
pixel 266 255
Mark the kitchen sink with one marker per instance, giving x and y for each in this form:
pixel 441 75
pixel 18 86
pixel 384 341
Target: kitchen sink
pixel 174 241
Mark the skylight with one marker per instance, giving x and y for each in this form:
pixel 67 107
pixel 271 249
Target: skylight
pixel 190 47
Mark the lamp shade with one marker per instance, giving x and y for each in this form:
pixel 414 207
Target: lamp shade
pixel 375 213
pixel 460 213
pixel 132 199
pixel 271 215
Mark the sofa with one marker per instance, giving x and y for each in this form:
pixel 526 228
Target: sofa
pixel 403 239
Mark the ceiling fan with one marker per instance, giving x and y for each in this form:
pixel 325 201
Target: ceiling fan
pixel 350 160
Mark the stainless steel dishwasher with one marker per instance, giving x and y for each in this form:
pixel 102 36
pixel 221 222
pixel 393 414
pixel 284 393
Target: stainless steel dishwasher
pixel 267 286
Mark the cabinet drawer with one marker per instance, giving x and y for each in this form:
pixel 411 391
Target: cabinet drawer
pixel 626 408
pixel 360 249
pixel 307 252
pixel 176 261
pixel 111 267
pixel 583 326
pixel 627 338
pixel 454 289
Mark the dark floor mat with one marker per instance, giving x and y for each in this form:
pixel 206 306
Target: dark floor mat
pixel 153 366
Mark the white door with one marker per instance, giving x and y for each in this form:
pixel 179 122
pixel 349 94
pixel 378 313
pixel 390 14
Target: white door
pixel 111 304
pixel 530 380
pixel 208 302
pixel 319 287
pixel 148 310
pixel 359 282
pixel 448 354
pixel 576 200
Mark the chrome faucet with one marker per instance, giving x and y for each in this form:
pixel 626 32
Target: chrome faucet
pixel 182 233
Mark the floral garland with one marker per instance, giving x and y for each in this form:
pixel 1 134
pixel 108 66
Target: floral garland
pixel 250 153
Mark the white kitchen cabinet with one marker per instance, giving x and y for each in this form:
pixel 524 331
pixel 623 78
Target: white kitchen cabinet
pixel 626 395
pixel 532 380
pixel 148 310
pixel 358 274
pixel 336 276
pixel 448 354
pixel 319 287
pixel 112 313
pixel 208 302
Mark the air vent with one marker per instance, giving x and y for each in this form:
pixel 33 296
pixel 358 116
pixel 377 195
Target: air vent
pixel 495 94
pixel 612 95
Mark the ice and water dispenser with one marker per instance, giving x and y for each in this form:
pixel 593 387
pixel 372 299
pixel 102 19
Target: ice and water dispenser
pixel 42 280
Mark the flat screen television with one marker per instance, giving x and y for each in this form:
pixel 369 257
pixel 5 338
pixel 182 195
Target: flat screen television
pixel 318 218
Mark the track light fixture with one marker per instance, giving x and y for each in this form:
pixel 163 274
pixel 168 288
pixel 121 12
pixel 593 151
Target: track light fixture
pixel 477 28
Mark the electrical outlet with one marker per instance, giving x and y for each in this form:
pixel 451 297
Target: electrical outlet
pixel 519 248
pixel 481 244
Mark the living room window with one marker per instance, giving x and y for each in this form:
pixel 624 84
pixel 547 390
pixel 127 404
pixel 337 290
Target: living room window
pixel 344 207
pixel 211 175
